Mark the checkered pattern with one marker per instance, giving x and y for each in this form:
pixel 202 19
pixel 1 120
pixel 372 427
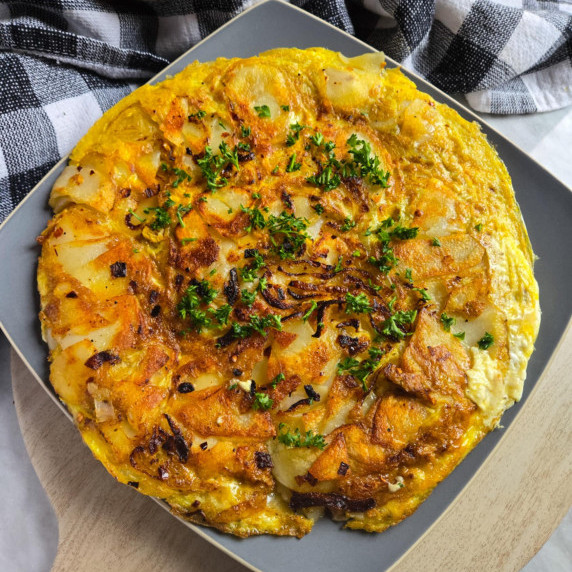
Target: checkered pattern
pixel 64 62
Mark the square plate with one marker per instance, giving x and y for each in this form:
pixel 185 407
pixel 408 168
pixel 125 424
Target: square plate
pixel 546 205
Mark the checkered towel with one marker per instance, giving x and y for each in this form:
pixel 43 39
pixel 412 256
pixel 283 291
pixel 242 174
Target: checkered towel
pixel 64 62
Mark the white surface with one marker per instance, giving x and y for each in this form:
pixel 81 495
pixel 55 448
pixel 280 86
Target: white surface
pixel 28 527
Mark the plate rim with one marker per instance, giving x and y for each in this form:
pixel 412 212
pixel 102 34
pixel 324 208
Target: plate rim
pixel 555 351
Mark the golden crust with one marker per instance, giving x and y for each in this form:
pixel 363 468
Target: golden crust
pixel 285 285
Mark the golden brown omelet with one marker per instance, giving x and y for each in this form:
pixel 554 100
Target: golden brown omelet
pixel 286 285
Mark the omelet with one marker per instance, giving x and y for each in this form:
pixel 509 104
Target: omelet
pixel 284 287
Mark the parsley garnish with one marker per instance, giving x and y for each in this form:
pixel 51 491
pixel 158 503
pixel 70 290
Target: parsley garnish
pixel 245 131
pixel 280 377
pixel 435 242
pixel 212 165
pixel 460 335
pixel 188 307
pixel 262 402
pixel 486 341
pixel 248 273
pixel 285 107
pixel 313 306
pixel 408 275
pixel 295 439
pixel 199 114
pixel 222 314
pixel 247 297
pixel 262 110
pixel 478 227
pixel 361 369
pixel 291 232
pixel 292 165
pixel 424 294
pixel 291 138
pixel 162 218
pixel 366 164
pixel 339 267
pixel 348 224
pixel 358 304
pixel 180 174
pixel 392 327
pixel 256 218
pixel 185 241
pixel 447 322
pixel 318 208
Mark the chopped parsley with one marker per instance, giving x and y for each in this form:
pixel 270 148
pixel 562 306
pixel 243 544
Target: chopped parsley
pixel 339 267
pixel 296 439
pixel 222 314
pixel 447 322
pixel 262 110
pixel 348 224
pixel 247 297
pixel 313 306
pixel 318 208
pixel 262 402
pixel 285 107
pixel 361 369
pixel 365 163
pixel 435 242
pixel 185 241
pixel 393 326
pixel 292 165
pixel 181 211
pixel 358 304
pixel 212 165
pixel 356 253
pixel 256 218
pixel 245 131
pixel 326 179
pixel 287 234
pixel 162 218
pixel 292 137
pixel 486 341
pixel 478 227
pixel 199 114
pixel 134 214
pixel 249 273
pixel 385 234
pixel 423 293
pixel 408 275
pixel 460 335
pixel 180 175
pixel 280 377
pixel 188 307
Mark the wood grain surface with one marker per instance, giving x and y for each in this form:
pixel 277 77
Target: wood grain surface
pixel 500 520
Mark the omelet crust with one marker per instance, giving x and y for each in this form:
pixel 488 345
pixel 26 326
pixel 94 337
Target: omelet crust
pixel 284 286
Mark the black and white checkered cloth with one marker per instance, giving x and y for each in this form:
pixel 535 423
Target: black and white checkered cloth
pixel 64 62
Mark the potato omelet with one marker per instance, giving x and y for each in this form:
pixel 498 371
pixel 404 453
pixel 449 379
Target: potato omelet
pixel 286 286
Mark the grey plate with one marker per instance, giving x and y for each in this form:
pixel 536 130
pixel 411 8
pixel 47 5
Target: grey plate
pixel 547 209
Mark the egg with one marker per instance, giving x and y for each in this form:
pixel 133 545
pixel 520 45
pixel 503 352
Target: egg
pixel 286 286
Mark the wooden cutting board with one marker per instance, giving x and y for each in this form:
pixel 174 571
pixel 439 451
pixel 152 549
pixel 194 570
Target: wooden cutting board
pixel 501 519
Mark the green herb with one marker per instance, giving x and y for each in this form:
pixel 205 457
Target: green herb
pixel 435 242
pixel 245 131
pixel 287 234
pixel 249 273
pixel 391 303
pixel 188 307
pixel 134 214
pixel 392 327
pixel 447 322
pixel 460 335
pixel 275 170
pixel 295 439
pixel 280 377
pixel 243 146
pixel 317 139
pixel 229 211
pixel 256 218
pixel 162 218
pixel 361 369
pixel 356 253
pixel 262 110
pixel 348 224
pixel 486 341
pixel 326 179
pixel 180 174
pixel 199 114
pixel 408 275
pixel 372 285
pixel 247 297
pixel 185 241
pixel 292 165
pixel 385 233
pixel 262 284
pixel 358 304
pixel 424 294
pixel 233 386
pixel 339 267
pixel 135 251
pixel 295 135
pixel 222 314
pixel 479 227
pixel 313 306
pixel 212 165
pixel 261 324
pixel 262 402
pixel 255 195
pixel 182 210
pixel 318 208
pixel 365 163
pixel 285 107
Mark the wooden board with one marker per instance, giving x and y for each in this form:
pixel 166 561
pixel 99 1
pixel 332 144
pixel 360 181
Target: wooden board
pixel 500 520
